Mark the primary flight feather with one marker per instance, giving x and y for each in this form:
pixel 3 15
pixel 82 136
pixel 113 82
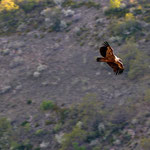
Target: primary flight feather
pixel 112 60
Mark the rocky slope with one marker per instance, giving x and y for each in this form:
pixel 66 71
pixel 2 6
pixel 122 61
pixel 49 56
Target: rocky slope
pixel 60 66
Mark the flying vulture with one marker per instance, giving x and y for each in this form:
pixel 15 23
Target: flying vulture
pixel 112 60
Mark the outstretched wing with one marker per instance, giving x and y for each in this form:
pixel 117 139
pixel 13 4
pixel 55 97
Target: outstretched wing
pixel 116 68
pixel 106 50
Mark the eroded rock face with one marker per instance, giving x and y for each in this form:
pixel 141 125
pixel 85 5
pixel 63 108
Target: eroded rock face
pixel 36 74
pixel 44 145
pixel 68 12
pixel 59 137
pixel 41 68
pixel 5 89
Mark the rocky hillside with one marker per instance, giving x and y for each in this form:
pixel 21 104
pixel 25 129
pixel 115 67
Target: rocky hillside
pixel 53 93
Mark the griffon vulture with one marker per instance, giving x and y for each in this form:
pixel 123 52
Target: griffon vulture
pixel 112 60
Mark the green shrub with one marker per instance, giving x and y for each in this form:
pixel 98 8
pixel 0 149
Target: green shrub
pixel 47 105
pixel 145 144
pixel 135 60
pixel 90 4
pixel 4 126
pixel 147 95
pixel 116 12
pixel 29 101
pixel 77 4
pixel 9 21
pixel 22 146
pixel 28 5
pixel 115 3
pixel 126 29
pixel 77 147
pixel 39 132
pixel 57 25
pixel 76 135
pixel 5 134
pixel 57 127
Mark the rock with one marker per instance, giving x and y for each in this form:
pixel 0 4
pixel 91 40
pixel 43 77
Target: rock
pixel 56 46
pixel 5 51
pixel 36 74
pixel 48 22
pixel 51 12
pixel 16 62
pixel 77 17
pixel 115 39
pixel 21 27
pixel 101 127
pixel 117 93
pixel 5 89
pixel 100 35
pixel 46 12
pixel 134 121
pixel 18 87
pixel 117 142
pixel 59 137
pixel 76 30
pixel 47 115
pixel 79 124
pixel 45 83
pixel 131 133
pixel 105 9
pixel 44 144
pixel 94 142
pixel 16 44
pixel 123 5
pixel 68 13
pixel 41 68
pixel 63 25
pixel 100 21
pixel 91 44
pixel 98 73
pixel 58 2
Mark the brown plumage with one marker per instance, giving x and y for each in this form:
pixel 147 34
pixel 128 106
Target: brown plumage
pixel 112 60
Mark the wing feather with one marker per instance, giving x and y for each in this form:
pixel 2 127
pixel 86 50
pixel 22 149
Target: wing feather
pixel 106 50
pixel 115 68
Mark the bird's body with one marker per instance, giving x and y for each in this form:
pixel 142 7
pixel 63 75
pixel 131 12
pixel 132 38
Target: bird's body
pixel 112 60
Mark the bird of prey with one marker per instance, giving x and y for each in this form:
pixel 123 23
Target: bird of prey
pixel 112 60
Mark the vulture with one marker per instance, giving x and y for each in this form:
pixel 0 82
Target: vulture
pixel 112 60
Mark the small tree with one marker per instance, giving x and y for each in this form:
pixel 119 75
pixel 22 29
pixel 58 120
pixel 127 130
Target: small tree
pixel 115 3
pixel 8 5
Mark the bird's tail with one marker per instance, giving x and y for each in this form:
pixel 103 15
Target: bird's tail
pixel 100 59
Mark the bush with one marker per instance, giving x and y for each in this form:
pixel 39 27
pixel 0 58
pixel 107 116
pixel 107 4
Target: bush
pixel 4 126
pixel 74 4
pixel 129 16
pixel 116 12
pixel 5 134
pixel 47 105
pixel 21 146
pixel 147 95
pixel 57 127
pixel 145 143
pixel 77 147
pixel 115 3
pixel 28 5
pixel 40 132
pixel 135 60
pixel 8 5
pixel 126 29
pixel 76 135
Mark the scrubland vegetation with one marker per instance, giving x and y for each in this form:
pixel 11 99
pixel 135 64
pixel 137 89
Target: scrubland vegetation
pixel 88 125
pixel 91 124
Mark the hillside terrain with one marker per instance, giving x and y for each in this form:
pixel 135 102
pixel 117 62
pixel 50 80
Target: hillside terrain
pixel 53 93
